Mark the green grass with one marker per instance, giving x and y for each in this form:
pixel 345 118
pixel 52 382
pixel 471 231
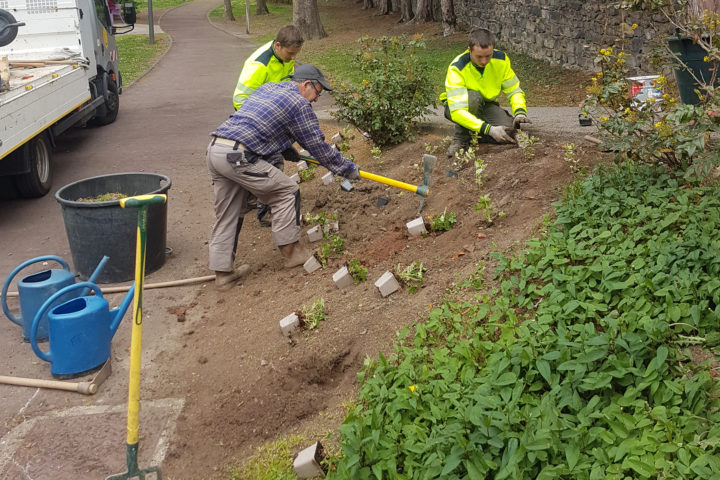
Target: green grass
pixel 137 55
pixel 141 5
pixel 543 83
pixel 272 461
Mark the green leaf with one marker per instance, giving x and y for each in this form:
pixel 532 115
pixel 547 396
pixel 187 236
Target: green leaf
pixel 572 454
pixel 453 461
pixel 543 367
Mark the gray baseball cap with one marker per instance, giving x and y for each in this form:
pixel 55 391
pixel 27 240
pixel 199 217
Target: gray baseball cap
pixel 310 72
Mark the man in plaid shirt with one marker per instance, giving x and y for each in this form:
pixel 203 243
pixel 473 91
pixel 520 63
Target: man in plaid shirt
pixel 267 124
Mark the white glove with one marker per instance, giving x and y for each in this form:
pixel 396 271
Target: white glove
pixel 500 134
pixel 520 118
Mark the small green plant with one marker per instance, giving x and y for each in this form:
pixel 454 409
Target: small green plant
pixel 476 280
pixel 526 143
pixel 571 158
pixel 342 140
pixel 433 149
pixel 480 172
pixel 442 222
pixel 411 276
pixel 357 271
pixel 332 245
pixel 321 218
pixel 466 156
pixel 394 92
pixel 307 174
pixel 376 153
pixel 313 314
pixel 484 206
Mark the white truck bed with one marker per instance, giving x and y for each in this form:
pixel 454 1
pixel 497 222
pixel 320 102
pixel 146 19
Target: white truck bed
pixel 37 98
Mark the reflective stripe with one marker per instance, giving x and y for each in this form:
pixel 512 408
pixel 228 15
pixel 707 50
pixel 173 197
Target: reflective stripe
pixel 244 89
pixel 453 92
pixel 458 105
pixel 510 83
pixel 517 90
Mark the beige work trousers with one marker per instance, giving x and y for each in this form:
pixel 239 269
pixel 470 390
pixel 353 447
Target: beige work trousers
pixel 231 184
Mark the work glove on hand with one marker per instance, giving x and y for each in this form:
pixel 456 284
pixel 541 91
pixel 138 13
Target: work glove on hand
pixel 520 118
pixel 291 155
pixel 500 134
pixel 352 173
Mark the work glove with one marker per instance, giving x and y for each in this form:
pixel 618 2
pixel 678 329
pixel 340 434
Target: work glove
pixel 291 155
pixel 520 118
pixel 500 134
pixel 352 173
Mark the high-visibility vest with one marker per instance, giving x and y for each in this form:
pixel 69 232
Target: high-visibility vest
pixel 495 77
pixel 261 67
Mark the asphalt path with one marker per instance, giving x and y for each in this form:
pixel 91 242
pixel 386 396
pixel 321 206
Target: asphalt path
pixel 163 127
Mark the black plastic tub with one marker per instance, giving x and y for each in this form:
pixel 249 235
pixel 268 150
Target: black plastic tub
pixel 95 229
pixel 693 55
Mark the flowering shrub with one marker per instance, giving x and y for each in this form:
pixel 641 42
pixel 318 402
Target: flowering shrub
pixel 663 130
pixel 394 93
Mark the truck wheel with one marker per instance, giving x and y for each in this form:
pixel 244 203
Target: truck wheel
pixel 7 34
pixel 112 104
pixel 38 180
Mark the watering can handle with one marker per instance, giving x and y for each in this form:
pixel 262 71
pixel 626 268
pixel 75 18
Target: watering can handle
pixel 36 321
pixel 12 275
pixel 141 200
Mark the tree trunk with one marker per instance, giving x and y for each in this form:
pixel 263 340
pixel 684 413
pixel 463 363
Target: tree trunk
pixel 228 11
pixel 448 17
pixel 406 11
pixel 383 7
pixel 367 4
pixel 424 11
pixel 306 18
pixel 261 8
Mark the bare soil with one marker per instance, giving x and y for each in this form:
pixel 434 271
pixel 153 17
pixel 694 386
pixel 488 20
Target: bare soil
pixel 245 383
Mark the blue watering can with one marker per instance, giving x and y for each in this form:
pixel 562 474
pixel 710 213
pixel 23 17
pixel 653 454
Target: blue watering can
pixel 80 330
pixel 34 289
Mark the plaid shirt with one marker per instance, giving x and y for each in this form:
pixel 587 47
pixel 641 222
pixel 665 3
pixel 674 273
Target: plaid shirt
pixel 275 117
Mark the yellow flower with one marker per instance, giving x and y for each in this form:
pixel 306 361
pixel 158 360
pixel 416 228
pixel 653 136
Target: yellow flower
pixel 634 26
pixel 602 51
pixel 412 388
pixel 658 124
pixel 627 110
pixel 604 118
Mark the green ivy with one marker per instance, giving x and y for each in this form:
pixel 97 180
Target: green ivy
pixel 577 366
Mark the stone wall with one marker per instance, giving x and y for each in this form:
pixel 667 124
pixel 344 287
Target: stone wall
pixel 565 32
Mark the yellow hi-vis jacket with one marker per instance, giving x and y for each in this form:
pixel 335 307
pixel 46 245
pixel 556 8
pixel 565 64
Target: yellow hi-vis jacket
pixel 261 67
pixel 488 81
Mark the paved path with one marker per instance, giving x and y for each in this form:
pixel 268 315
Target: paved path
pixel 163 127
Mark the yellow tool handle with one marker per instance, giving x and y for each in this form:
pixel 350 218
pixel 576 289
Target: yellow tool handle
pixel 421 190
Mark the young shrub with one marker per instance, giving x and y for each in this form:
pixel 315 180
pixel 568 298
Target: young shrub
pixel 442 222
pixel 331 246
pixel 312 315
pixel 526 143
pixel 411 276
pixel 658 128
pixel 307 174
pixel 357 271
pixel 395 92
pixel 484 206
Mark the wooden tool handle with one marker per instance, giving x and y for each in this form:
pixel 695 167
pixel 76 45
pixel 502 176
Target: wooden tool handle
pixel 86 388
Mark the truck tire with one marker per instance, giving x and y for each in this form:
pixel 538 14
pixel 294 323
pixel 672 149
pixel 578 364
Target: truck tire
pixel 38 180
pixel 109 89
pixel 7 34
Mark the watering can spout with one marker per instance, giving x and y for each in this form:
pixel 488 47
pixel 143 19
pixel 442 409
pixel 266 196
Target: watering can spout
pixel 117 314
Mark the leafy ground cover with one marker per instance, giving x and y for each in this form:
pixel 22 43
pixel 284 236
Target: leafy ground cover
pixel 583 361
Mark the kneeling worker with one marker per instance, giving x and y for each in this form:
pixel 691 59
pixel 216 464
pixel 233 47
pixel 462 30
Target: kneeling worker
pixel 270 121
pixel 473 84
